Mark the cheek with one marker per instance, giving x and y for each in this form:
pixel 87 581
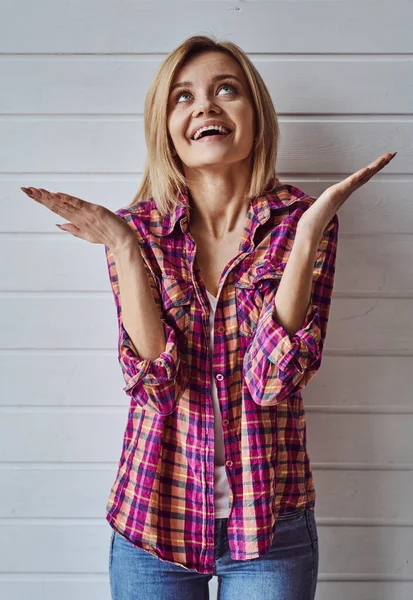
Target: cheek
pixel 246 117
pixel 175 130
pixel 249 118
pixel 171 124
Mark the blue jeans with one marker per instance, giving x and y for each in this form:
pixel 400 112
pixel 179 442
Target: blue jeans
pixel 288 571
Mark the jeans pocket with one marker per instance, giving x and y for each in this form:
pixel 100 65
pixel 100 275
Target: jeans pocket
pixel 311 526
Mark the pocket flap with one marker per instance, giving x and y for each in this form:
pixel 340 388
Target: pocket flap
pixel 257 272
pixel 176 292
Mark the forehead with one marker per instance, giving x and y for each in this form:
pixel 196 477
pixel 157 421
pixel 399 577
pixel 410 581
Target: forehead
pixel 208 64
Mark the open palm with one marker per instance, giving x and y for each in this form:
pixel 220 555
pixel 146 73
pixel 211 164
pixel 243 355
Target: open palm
pixel 318 216
pixel 91 222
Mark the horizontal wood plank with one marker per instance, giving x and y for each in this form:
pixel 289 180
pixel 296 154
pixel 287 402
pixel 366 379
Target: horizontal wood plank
pixel 59 553
pixel 117 85
pixel 69 491
pixel 89 321
pixel 363 265
pixel 311 27
pixel 338 145
pixel 64 436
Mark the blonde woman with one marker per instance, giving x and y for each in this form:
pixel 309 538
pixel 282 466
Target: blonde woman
pixel 222 278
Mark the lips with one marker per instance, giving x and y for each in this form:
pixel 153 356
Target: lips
pixel 213 138
pixel 207 124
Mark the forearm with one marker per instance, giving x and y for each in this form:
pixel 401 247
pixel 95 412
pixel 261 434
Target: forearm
pixel 287 346
pixel 140 314
pixel 294 292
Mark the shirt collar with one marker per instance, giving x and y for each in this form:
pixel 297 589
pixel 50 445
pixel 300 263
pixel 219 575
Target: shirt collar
pixel 272 198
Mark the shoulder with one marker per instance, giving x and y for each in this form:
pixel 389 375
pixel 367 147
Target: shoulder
pixel 290 197
pixel 299 200
pixel 137 211
pixel 140 216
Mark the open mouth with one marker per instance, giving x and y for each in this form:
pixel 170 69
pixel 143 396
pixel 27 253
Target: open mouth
pixel 212 135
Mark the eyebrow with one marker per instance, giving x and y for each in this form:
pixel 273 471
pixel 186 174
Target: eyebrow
pixel 214 79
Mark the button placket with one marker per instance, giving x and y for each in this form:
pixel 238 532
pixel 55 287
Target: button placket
pixel 220 377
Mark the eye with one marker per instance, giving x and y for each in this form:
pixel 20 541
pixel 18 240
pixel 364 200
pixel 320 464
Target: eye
pixel 187 92
pixel 182 93
pixel 228 86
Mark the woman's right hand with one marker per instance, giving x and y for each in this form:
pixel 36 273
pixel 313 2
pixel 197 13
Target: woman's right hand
pixel 91 222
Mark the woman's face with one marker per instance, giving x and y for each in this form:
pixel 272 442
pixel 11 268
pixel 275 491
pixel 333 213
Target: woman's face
pixel 204 99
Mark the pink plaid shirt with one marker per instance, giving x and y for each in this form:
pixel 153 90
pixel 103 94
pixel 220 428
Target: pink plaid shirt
pixel 162 499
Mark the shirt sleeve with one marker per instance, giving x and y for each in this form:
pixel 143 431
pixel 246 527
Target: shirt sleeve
pixel 157 384
pixel 276 365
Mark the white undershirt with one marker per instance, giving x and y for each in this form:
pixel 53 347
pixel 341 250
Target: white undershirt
pixel 221 485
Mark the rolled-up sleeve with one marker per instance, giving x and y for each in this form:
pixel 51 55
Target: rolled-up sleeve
pixel 157 384
pixel 277 365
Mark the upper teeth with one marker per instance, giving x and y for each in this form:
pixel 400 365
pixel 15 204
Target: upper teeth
pixel 219 127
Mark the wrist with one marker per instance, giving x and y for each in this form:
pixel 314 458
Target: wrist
pixel 125 246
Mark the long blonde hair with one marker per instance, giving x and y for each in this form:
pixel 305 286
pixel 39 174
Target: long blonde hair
pixel 163 177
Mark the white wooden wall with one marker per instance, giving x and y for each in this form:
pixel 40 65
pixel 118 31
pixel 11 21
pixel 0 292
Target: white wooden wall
pixel 73 80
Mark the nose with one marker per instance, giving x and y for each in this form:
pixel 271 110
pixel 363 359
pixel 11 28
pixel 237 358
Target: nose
pixel 205 107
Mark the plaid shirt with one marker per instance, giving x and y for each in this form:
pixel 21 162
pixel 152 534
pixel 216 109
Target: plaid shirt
pixel 162 499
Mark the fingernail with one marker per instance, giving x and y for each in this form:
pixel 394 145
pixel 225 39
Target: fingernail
pixel 59 226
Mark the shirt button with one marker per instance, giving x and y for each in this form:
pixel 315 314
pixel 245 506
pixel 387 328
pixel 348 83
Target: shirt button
pixel 220 377
pixel 225 421
pixel 229 463
pixel 220 329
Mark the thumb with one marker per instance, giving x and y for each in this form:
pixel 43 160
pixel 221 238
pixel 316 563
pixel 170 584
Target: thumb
pixel 69 228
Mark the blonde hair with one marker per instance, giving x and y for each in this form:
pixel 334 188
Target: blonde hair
pixel 163 176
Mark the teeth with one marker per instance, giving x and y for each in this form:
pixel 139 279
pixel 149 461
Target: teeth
pixel 217 127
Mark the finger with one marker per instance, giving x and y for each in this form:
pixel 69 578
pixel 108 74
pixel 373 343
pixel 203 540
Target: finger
pixel 70 228
pixel 361 177
pixel 54 202
pixel 38 194
pixel 32 192
pixel 379 165
pixel 381 161
pixel 78 203
pixel 358 178
pixel 65 199
pixel 68 202
pixel 46 197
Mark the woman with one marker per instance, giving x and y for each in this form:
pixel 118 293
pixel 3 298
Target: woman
pixel 222 278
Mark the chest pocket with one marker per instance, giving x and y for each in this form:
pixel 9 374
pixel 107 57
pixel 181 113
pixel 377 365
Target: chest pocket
pixel 255 289
pixel 176 296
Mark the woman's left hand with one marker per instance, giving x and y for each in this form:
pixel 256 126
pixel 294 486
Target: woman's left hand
pixel 316 218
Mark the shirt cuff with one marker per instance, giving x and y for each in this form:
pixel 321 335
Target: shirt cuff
pixel 144 370
pixel 301 350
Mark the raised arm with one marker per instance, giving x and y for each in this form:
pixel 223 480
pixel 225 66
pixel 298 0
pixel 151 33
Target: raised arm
pixel 154 373
pixel 140 315
pixel 286 350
